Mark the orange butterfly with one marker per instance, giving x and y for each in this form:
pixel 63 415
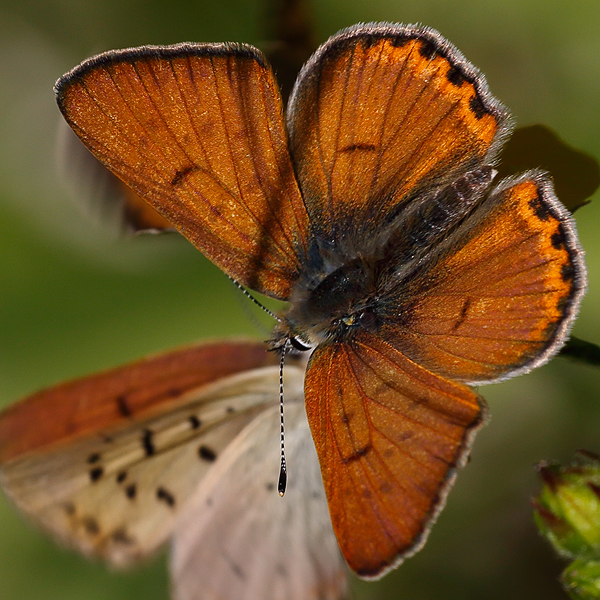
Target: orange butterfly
pixel 372 210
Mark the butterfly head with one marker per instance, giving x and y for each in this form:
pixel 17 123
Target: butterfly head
pixel 330 306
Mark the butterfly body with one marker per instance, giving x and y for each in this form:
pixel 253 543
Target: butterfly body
pixel 372 209
pixel 349 282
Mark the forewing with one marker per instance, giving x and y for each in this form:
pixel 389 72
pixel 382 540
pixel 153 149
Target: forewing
pixel 114 489
pixel 502 292
pixel 389 435
pixel 381 113
pixel 238 540
pixel 197 131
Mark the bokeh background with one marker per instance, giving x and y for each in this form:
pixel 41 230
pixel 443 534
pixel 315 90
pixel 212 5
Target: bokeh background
pixel 75 298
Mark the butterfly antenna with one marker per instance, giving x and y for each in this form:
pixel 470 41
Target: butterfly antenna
pixel 283 469
pixel 251 313
pixel 249 295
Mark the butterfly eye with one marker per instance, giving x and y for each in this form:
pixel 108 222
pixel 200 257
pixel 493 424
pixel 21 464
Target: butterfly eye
pixel 369 320
pixel 365 318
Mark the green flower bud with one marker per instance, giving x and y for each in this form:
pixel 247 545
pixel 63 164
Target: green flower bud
pixel 567 511
pixel 581 579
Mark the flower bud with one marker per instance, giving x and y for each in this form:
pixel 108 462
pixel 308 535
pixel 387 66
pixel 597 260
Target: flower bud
pixel 567 511
pixel 581 579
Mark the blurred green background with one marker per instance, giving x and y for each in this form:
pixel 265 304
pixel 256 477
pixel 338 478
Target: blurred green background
pixel 73 299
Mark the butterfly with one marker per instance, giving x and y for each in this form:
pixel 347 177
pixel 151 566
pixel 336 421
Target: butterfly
pixel 371 208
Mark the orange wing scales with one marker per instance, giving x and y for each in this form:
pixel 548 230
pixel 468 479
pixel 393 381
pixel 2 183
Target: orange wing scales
pixel 389 435
pixel 199 134
pixel 498 303
pixel 382 126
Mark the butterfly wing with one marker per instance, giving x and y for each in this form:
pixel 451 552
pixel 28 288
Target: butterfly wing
pixel 382 113
pixel 499 296
pixel 197 131
pixel 389 435
pixel 238 540
pixel 103 196
pixel 106 463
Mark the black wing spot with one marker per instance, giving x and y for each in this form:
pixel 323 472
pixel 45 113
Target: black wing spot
pixel 358 454
pixel 230 409
pixel 121 477
pixel 364 147
pixel 567 272
pixel 123 407
pixel 477 107
pixel 367 41
pixel 557 239
pixel 561 306
pixel 541 211
pixel 427 49
pixel 181 174
pixel 96 473
pixel 207 453
pixel 401 40
pixel 93 458
pixel 164 496
pixel 147 443
pixel 463 314
pixel 120 536
pixel 90 525
pixel 455 76
pixel 195 422
pixel 131 491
